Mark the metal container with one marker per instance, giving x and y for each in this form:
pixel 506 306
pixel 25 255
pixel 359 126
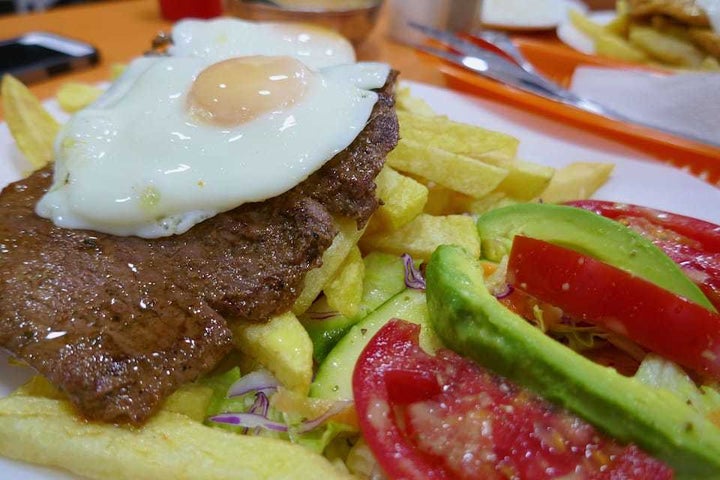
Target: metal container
pixel 454 15
pixel 354 23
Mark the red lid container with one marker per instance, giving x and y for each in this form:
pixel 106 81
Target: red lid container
pixel 177 9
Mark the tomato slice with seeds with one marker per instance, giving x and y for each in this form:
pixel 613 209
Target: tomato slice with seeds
pixel 445 417
pixel 693 244
pixel 601 294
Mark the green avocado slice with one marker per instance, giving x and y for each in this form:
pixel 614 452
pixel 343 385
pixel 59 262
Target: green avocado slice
pixel 590 234
pixel 468 319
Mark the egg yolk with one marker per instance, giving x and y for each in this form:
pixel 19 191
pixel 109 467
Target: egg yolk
pixel 238 90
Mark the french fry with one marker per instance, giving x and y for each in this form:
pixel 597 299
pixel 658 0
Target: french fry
pixel 406 102
pixel 586 25
pixel 423 235
pixel 615 47
pixel 490 202
pixel 282 346
pixel 32 127
pixel 576 181
pixel 191 400
pixel 607 43
pixel 457 172
pixel 439 132
pixel 526 180
pixel 315 280
pixel 74 96
pixel 170 446
pixel 445 201
pixel 665 47
pixel 345 289
pixel 403 199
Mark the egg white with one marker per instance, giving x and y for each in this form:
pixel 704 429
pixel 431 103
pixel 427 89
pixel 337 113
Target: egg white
pixel 137 163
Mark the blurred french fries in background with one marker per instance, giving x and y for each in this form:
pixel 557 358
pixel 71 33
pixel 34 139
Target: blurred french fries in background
pixel 30 124
pixel 654 40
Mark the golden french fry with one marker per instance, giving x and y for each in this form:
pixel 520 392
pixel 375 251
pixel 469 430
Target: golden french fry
pixel 526 180
pixel 281 345
pixel 490 202
pixel 315 280
pixel 423 235
pixel 457 172
pixel 32 127
pixel 403 199
pixel 170 446
pixel 191 400
pixel 587 26
pixel 345 289
pixel 576 181
pixel 607 42
pixel 612 46
pixel 74 96
pixel 439 132
pixel 665 47
pixel 406 102
pixel 621 23
pixel 445 201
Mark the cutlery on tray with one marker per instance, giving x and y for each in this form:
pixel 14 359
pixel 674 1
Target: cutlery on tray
pixel 513 69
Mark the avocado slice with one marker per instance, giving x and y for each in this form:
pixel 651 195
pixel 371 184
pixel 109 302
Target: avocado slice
pixel 590 234
pixel 468 319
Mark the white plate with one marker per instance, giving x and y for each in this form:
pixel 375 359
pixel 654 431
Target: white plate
pixel 526 20
pixel 576 39
pixel 636 179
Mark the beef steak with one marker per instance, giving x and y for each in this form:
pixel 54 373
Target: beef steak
pixel 118 323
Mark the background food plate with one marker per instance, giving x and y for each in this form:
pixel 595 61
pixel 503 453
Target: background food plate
pixel 526 20
pixel 637 179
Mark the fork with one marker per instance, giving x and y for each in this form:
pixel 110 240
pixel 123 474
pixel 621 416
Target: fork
pixel 518 72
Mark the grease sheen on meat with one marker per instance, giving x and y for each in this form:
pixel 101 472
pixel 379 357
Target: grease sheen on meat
pixel 118 323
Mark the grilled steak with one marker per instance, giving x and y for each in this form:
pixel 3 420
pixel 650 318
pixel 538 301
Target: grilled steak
pixel 118 323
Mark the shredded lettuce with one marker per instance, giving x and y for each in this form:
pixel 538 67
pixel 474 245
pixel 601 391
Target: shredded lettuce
pixel 331 438
pixel 658 372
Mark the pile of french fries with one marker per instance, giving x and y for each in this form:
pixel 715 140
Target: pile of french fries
pixel 441 175
pixel 657 41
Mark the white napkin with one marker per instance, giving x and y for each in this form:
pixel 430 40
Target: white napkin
pixel 687 103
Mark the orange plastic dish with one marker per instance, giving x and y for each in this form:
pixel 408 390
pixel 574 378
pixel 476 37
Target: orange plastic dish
pixel 558 62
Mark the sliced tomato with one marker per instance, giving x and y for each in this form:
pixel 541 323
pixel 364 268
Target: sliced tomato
pixel 601 294
pixel 444 417
pixel 693 244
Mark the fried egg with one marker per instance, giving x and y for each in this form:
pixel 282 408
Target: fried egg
pixel 177 140
pixel 225 38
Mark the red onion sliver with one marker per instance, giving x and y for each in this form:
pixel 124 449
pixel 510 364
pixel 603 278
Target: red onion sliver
pixel 323 315
pixel 261 405
pixel 335 408
pixel 508 290
pixel 257 381
pixel 248 420
pixel 413 278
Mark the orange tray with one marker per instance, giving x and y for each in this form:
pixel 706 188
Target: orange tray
pixel 558 62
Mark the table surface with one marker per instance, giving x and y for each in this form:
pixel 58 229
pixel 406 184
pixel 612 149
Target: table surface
pixel 123 29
